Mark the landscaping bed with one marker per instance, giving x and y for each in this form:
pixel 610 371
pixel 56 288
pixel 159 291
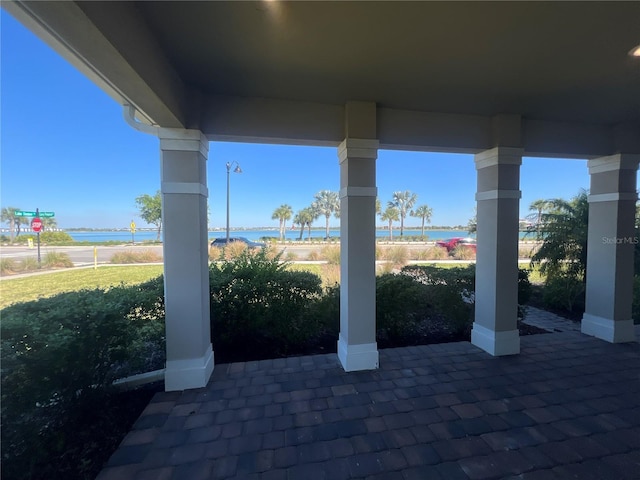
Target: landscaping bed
pixel 66 424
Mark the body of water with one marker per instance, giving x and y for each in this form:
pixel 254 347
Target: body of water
pixel 255 235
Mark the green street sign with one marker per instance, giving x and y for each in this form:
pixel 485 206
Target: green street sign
pixel 22 213
pixel 47 214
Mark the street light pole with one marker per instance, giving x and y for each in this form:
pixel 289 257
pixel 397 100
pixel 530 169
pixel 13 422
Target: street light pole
pixel 235 170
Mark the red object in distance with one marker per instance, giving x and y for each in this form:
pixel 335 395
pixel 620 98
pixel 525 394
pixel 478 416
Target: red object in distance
pixel 36 225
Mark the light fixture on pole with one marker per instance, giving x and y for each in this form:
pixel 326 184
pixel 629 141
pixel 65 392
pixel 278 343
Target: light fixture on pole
pixel 235 170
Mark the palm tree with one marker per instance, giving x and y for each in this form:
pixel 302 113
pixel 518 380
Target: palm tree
pixel 564 250
pixel 404 202
pixel 304 218
pixel 424 212
pixel 390 215
pixel 49 223
pixel 282 213
pixel 327 203
pixel 9 215
pixel 540 206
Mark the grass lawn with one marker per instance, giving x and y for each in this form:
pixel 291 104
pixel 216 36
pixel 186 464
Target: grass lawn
pixel 24 289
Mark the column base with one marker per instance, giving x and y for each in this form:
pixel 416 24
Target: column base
pixel 495 343
pixel 188 373
pixel 613 331
pixel 357 357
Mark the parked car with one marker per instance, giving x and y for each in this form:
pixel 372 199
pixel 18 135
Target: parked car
pixel 222 242
pixel 452 243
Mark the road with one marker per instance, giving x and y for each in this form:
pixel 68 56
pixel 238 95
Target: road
pixel 84 255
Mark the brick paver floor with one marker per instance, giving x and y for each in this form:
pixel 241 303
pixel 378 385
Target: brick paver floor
pixel 567 407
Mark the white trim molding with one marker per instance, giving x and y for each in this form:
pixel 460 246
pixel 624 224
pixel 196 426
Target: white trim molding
pixel 612 197
pixel 498 156
pixel 358 192
pixel 358 148
pixel 495 343
pixel 189 373
pixel 613 331
pixel 626 161
pixel 498 194
pixel 357 357
pixel 191 188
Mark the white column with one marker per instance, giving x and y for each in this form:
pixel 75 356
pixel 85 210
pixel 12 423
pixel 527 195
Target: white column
pixel 186 272
pixel 357 347
pixel 610 248
pixel 495 328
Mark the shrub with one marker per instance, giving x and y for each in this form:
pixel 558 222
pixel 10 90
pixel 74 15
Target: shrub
pixel 8 266
pixel 56 237
pixel 450 286
pixel 401 304
pixel 29 264
pixel 564 291
pixel 314 256
pixel 462 252
pixel 57 260
pixel 136 256
pixel 59 358
pixel 291 256
pixel 233 250
pixel 330 274
pixel 331 254
pixel 259 306
pixel 436 253
pixel 398 255
pixel 215 253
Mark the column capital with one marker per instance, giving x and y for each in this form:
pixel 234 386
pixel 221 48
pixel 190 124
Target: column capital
pixel 499 156
pixel 183 140
pixel 358 148
pixel 620 161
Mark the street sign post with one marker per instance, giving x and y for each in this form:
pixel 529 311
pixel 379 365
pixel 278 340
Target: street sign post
pixel 36 225
pixel 27 213
pixel 132 226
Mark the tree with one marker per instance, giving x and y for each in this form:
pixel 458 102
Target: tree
pixel 472 225
pixel 151 209
pixel 540 206
pixel 327 203
pixel 565 228
pixel 304 218
pixel 9 215
pixel 390 215
pixel 424 212
pixel 404 202
pixel 49 223
pixel 282 213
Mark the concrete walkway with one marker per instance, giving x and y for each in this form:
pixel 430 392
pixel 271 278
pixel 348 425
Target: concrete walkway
pixel 567 407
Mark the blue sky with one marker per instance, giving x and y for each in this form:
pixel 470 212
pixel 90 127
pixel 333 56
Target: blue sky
pixel 66 148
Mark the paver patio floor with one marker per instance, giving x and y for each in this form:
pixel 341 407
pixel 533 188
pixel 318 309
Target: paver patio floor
pixel 567 407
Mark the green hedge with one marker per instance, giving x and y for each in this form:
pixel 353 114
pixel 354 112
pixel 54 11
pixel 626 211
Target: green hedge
pixel 258 306
pixel 59 358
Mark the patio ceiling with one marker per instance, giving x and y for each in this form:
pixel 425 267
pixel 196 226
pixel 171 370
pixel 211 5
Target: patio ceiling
pixel 207 64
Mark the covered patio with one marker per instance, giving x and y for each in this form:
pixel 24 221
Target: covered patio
pixel 500 80
pixel 567 407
